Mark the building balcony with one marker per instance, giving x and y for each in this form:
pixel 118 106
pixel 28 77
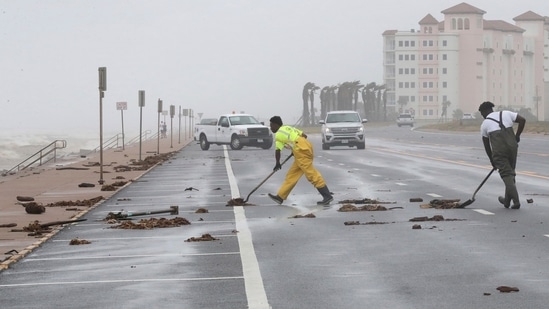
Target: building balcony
pixel 508 51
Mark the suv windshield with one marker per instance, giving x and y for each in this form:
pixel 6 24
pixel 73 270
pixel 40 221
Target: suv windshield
pixel 340 117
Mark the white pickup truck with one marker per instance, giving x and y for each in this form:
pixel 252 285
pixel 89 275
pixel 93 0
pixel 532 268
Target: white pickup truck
pixel 237 131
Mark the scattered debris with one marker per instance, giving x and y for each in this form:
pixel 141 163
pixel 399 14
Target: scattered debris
pixel 88 203
pixel 487 294
pixel 72 168
pixel 238 202
pixel 529 201
pixel 349 207
pixel 12 252
pixel 201 211
pixel 147 224
pixel 204 237
pixel 507 289
pixel 433 218
pixel 86 185
pixel 174 210
pixel 442 204
pixel 311 215
pixel 416 199
pixel 72 209
pixel 25 198
pixel 108 188
pixel 77 241
pixel 124 199
pixel 120 183
pixel 416 227
pixel 191 189
pixel 364 201
pixel 365 223
pixel 119 177
pixel 37 227
pixel 8 225
pixel 34 208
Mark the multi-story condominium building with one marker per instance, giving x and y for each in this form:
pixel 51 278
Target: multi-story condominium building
pixel 463 60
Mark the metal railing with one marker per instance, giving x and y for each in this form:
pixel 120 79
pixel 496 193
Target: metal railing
pixel 41 157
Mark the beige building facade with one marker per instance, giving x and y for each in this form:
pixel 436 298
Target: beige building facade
pixel 463 60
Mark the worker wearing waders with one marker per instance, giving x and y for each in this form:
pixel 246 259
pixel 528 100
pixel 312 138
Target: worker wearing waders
pixel 501 145
pixel 294 139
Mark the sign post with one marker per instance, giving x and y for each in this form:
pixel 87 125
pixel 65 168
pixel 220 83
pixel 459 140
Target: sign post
pixel 158 135
pixel 179 124
pixel 172 113
pixel 102 89
pixel 122 106
pixel 141 102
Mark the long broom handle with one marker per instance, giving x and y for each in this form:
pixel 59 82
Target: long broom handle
pixel 482 183
pixel 271 174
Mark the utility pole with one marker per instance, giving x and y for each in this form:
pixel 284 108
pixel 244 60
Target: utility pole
pixel 172 113
pixel 141 102
pixel 102 89
pixel 158 135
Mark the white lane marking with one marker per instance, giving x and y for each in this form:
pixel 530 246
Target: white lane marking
pixel 253 282
pixel 117 281
pixel 484 212
pixel 401 184
pixel 546 235
pixel 124 256
pixel 140 238
pixel 434 195
pixel 375 175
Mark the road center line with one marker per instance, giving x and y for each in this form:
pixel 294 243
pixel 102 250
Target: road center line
pixel 253 282
pixel 484 212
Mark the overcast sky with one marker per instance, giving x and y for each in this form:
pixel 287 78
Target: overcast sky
pixel 211 56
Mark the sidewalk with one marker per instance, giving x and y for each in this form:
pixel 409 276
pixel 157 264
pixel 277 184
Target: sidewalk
pixel 58 182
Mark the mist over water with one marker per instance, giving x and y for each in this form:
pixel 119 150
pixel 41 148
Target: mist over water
pixel 17 147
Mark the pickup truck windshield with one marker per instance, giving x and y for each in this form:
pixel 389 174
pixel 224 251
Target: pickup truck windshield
pixel 342 118
pixel 241 120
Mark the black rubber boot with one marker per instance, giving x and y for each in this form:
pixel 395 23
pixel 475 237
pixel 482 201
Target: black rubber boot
pixel 276 198
pixel 326 195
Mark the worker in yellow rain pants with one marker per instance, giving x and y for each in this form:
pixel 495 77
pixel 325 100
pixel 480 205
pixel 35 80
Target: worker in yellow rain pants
pixel 294 139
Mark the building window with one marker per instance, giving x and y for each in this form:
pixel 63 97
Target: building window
pixel 431 57
pixel 400 84
pixel 412 71
pixel 400 57
pixel 454 27
pixel 430 42
pixel 466 23
pixel 424 56
pixel 406 43
pixel 444 70
pixel 460 24
pixel 407 57
pixel 444 43
pixel 444 84
pixel 412 57
pixel 413 43
pixel 400 71
pixel 424 71
pixel 444 57
pixel 412 98
pixel 413 85
pixel 400 44
pixel 406 85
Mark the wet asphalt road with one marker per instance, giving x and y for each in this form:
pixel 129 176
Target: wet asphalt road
pixel 263 257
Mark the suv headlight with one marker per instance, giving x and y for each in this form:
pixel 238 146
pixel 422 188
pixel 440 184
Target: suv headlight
pixel 327 130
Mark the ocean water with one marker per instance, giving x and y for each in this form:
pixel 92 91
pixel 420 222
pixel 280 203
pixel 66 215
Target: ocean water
pixel 17 147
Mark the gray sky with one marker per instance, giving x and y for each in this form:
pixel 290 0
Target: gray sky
pixel 211 56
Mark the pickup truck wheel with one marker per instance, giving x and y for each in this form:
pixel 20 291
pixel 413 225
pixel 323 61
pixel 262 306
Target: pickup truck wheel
pixel 325 147
pixel 235 143
pixel 267 145
pixel 204 145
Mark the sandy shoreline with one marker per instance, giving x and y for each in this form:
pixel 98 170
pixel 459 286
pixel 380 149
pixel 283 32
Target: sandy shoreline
pixel 57 182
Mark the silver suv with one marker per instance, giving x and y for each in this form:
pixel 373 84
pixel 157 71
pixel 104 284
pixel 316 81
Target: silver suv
pixel 405 120
pixel 343 128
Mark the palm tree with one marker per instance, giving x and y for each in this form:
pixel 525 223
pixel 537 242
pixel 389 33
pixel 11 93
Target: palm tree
pixel 312 99
pixel 305 96
pixel 355 88
pixel 367 98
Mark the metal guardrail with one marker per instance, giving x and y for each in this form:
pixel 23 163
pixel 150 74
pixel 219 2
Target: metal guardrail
pixel 42 156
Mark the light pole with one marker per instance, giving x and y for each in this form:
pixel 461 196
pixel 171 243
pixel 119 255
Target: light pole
pixel 158 135
pixel 102 89
pixel 141 100
pixel 172 113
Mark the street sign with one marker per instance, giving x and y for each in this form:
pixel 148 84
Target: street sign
pixel 141 98
pixel 121 106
